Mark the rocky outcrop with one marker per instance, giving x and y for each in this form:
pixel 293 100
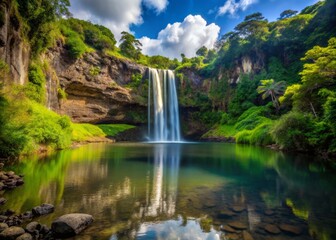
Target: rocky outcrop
pixel 95 86
pixel 13 49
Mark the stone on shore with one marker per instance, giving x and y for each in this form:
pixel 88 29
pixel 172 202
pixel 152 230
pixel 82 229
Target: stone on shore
pixel 71 224
pixel 11 233
pixel 44 209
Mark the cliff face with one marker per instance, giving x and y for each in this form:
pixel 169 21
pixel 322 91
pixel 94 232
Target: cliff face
pixel 95 86
pixel 13 49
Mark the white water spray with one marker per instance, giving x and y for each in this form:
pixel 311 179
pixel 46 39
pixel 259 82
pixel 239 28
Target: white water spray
pixel 166 122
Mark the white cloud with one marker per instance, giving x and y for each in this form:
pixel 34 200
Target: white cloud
pixel 186 37
pixel 231 6
pixel 157 5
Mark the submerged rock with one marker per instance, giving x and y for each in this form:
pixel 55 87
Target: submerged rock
pixel 25 236
pixel 247 236
pixel 273 229
pixel 3 226
pixel 290 229
pixel 71 224
pixel 11 233
pixel 238 225
pixel 44 209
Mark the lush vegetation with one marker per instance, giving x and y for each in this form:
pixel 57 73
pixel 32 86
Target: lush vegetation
pixel 112 130
pixel 288 98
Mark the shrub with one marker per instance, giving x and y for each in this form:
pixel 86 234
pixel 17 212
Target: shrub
pixel 291 131
pixel 35 89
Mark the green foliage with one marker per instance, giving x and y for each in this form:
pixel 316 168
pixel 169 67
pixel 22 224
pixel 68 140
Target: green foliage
pixel 221 131
pixel 292 129
pixel 130 46
pixel 39 17
pixel 287 14
pixel 203 52
pixel 136 80
pixel 95 71
pixel 84 132
pixel 74 43
pixel 244 96
pixel 61 93
pixel 112 130
pixel 252 117
pixel 35 89
pixel 270 88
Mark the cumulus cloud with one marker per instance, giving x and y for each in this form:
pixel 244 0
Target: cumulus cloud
pixel 231 6
pixel 157 5
pixel 186 37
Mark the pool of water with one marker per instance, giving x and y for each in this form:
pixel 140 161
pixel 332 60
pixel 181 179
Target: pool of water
pixel 183 191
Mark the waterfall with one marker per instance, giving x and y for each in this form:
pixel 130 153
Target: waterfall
pixel 166 122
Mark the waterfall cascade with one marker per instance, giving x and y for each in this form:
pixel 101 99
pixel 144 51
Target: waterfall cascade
pixel 166 122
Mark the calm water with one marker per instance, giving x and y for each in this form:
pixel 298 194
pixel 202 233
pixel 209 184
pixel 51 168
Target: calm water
pixel 182 191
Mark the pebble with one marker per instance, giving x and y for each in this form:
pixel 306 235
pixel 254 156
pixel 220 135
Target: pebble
pixel 25 236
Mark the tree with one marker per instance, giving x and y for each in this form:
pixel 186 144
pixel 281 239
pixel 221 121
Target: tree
pixel 40 15
pixel 287 14
pixel 271 88
pixel 203 52
pixel 130 46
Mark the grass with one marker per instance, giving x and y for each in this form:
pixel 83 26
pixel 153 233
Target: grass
pixel 112 130
pixel 221 131
pixel 85 131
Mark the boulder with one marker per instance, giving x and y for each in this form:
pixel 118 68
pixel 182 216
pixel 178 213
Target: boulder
pixel 3 226
pixel 25 236
pixel 228 229
pixel 44 209
pixel 31 227
pixel 70 224
pixel 11 233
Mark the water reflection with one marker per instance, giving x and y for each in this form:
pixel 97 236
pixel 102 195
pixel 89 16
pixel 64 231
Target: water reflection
pixel 148 191
pixel 165 178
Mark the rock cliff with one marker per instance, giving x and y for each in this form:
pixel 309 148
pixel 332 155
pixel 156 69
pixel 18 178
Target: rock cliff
pixel 13 48
pixel 95 87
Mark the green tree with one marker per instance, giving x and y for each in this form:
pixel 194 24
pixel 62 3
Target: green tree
pixel 270 88
pixel 287 14
pixel 203 52
pixel 130 46
pixel 40 16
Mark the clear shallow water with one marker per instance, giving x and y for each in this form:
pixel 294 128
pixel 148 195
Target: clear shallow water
pixel 181 191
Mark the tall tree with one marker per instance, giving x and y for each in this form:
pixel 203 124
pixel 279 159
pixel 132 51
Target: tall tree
pixel 287 14
pixel 130 46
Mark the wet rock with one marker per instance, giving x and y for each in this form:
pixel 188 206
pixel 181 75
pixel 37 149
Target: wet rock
pixel 269 212
pixel 1 165
pixel 44 229
pixel 71 224
pixel 3 176
pixel 9 212
pixel 2 186
pixel 25 236
pixel 19 182
pixel 238 209
pixel 3 218
pixel 290 229
pixel 273 229
pixel 2 201
pixel 238 225
pixel 31 227
pixel 44 209
pixel 10 173
pixel 228 229
pixel 11 233
pixel 226 213
pixel 3 226
pixel 27 215
pixel 247 236
pixel 209 204
pixel 232 236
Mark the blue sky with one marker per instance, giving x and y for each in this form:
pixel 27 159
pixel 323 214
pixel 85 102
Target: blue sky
pixel 172 27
